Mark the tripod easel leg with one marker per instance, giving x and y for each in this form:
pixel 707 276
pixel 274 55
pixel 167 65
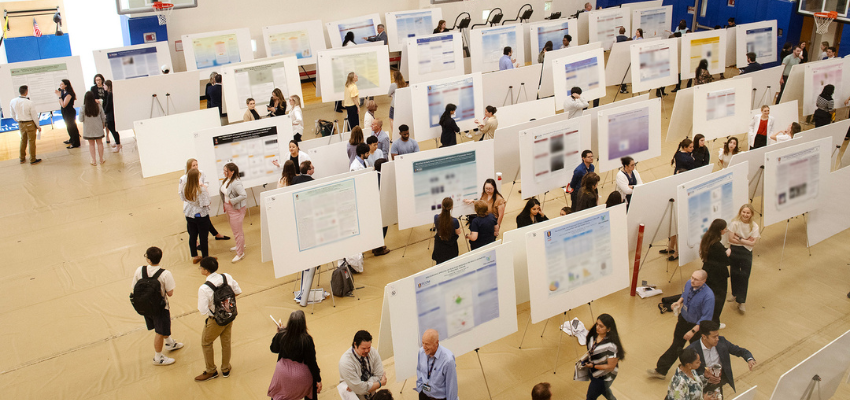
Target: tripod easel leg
pixel 526 329
pixel 558 353
pixel 483 374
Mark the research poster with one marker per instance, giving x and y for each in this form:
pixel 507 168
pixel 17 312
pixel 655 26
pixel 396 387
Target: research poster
pixel 823 75
pixel 709 201
pixel 215 51
pixel 555 152
pixel 295 43
pixel 578 253
pixel 583 74
pixel 452 176
pixel 797 178
pixel 655 62
pixel 130 64
pixel 552 33
pixel 653 21
pixel 761 41
pixel 708 49
pixel 436 54
pixel 258 82
pixel 608 27
pixel 364 64
pixel 458 299
pixel 628 133
pixel 720 104
pixel 460 93
pixel 42 81
pixel 412 24
pixel 253 151
pixel 326 214
pixel 494 42
pixel 362 28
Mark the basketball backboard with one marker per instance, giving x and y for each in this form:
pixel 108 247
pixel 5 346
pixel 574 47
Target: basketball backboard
pixel 810 7
pixel 145 6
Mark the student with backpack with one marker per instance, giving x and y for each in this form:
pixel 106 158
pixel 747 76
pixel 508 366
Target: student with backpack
pixel 217 302
pixel 149 293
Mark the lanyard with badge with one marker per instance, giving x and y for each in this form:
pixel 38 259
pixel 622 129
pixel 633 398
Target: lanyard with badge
pixel 689 297
pixel 426 387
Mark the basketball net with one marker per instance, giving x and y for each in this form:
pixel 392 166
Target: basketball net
pixel 823 19
pixel 162 10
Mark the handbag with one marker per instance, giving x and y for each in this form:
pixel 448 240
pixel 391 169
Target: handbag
pixel 582 373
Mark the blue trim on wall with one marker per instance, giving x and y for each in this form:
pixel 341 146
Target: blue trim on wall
pixel 9 124
pixel 31 48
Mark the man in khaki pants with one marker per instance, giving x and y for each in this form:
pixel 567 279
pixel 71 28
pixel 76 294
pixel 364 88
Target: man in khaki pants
pixel 212 330
pixel 23 111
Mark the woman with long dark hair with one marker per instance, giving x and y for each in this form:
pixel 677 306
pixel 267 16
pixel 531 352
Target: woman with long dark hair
pixel 450 129
pixel 687 384
pixel 94 122
pixel 725 154
pixel 67 97
pixel 349 39
pixel 532 213
pixel 235 201
pixel 196 209
pixel 277 103
pixel 715 260
pixel 448 231
pixel 700 153
pixel 604 352
pixel 496 203
pixel 701 75
pixel 588 196
pixel 683 160
pixel 483 229
pixel 825 106
pixel 297 373
pixel 287 175
pixel 109 110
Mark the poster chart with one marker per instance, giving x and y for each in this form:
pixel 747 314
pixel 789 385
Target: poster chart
pixel 829 364
pixel 551 31
pixel 817 76
pixel 133 61
pixel 332 219
pixel 584 70
pixel 594 121
pixel 432 57
pixel 370 63
pixel 362 26
pixel 604 25
pixel 214 49
pixel 42 77
pixel 257 80
pixel 465 92
pixel 700 201
pixel 829 218
pixel 653 64
pixel 252 146
pixel 547 87
pixel 424 179
pixel 470 300
pixel 300 39
pixel 722 108
pixel 409 24
pixel 487 45
pixel 655 21
pixel 759 38
pixel 576 261
pixel 792 177
pixel 631 130
pixel 549 153
pixel 707 45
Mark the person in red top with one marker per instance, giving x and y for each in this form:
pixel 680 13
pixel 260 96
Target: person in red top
pixel 761 127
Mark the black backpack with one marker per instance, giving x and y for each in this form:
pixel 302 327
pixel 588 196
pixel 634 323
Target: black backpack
pixel 147 294
pixel 225 302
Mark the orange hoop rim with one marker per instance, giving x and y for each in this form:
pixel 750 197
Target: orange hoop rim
pixel 828 14
pixel 159 6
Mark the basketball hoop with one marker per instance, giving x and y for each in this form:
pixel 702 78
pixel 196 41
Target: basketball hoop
pixel 823 19
pixel 162 11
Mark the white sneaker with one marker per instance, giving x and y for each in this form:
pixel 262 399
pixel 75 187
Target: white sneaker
pixel 163 361
pixel 468 135
pixel 172 347
pixel 742 308
pixel 238 258
pixel 722 325
pixel 233 248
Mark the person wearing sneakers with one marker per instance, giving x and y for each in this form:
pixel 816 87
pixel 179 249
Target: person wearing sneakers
pixel 161 323
pixel 715 350
pixel 235 201
pixel 193 163
pixel 23 111
pixel 743 235
pixel 212 330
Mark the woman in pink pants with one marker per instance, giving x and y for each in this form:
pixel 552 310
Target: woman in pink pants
pixel 235 201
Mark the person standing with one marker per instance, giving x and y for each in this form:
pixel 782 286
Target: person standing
pixel 287 174
pixel 447 232
pixel 93 129
pixel 159 322
pixel 436 372
pixel 196 209
pixel 354 140
pixel 686 383
pixel 359 163
pixel 297 117
pixel 377 127
pixel 761 126
pixel 404 146
pixel 604 352
pixel 489 126
pixel 193 163
pixel 574 103
pixel 588 195
pixel 684 160
pixel 214 96
pixel 351 100
pixel 98 89
pixel 307 169
pixel 483 229
pixel 788 62
pixel 441 27
pixel 825 106
pixel 701 155
pixel 212 330
pixel 494 200
pixel 398 83
pixel 277 103
pixel 701 75
pixel 717 351
pixel 541 391
pixel 578 173
pixel 23 112
pixel 506 62
pixel 531 214
pixel 369 116
pixel 787 134
pixel 542 55
pixel 297 373
pixel 565 42
pixel 627 179
pixel 742 235
pixel 715 261
pixel 109 110
pixel 67 97
pixel 360 367
pixel 449 126
pixel 235 201
pixel 725 154
pixel 380 37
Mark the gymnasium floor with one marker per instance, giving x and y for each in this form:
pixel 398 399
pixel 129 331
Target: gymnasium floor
pixel 73 235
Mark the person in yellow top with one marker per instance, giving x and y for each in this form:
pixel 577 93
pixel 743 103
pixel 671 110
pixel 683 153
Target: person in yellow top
pixel 351 100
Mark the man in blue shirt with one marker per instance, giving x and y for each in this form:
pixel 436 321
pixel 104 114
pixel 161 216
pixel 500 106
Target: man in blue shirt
pixel 697 305
pixel 506 62
pixel 436 373
pixel 578 173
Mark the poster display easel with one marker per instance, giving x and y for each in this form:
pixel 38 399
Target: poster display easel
pixel 486 46
pixel 765 85
pixel 547 88
pixel 794 84
pixel 362 26
pixel 300 39
pixel 429 101
pixel 549 153
pixel 214 49
pixel 176 130
pixel 431 57
pixel 525 112
pixel 42 77
pixel 506 146
pixel 552 30
pixel 257 80
pixel 135 61
pixel 630 130
pixel 818 376
pixel 759 38
pixel 682 117
pixel 722 108
pixel 512 86
pixel 828 218
pixel 603 25
pixel 707 45
pixel 594 121
pixel 370 63
pixel 403 25
pixel 655 21
pixel 731 45
pixel 653 64
pixel 817 75
pixel 585 70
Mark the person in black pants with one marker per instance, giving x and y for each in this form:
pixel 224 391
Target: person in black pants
pixel 109 110
pixel 450 129
pixel 197 212
pixel 715 262
pixel 69 115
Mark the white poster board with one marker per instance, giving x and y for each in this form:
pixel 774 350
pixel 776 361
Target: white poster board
pixel 506 144
pixel 702 200
pixel 423 179
pixel 257 80
pixel 370 63
pixel 632 130
pixel 829 363
pixel 331 220
pixel 705 45
pixel 549 153
pixel 42 78
pixel 792 179
pixel 430 99
pixel 432 57
pixel 511 86
pixel 655 21
pixel 653 64
pixel 362 26
pixel 759 38
pixel 829 216
pixel 389 205
pixel 731 38
pixel 253 146
pixel 330 159
pixel 177 131
pixel 604 25
pixel 577 261
pixel 134 98
pixel 765 83
pixel 547 88
pixel 486 46
pixel 594 121
pixel 783 115
pixel 300 39
pixel 525 112
pixel 722 108
pixel 135 61
pixel 469 300
pixel 818 75
pixel 682 117
pixel 749 394
pixel 403 25
pixel 554 30
pixel 214 49
pixel 584 70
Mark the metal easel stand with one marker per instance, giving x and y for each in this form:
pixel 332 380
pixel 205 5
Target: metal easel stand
pixel 784 241
pixel 483 374
pixel 623 81
pixel 814 384
pixel 38 123
pixel 758 178
pixel 560 333
pixel 670 204
pixel 520 92
pixel 155 102
pixel 509 96
pixel 169 105
pixel 308 75
pixel 513 184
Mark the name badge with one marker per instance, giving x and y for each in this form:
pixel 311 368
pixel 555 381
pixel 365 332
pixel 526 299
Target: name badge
pixel 426 387
pixel 685 308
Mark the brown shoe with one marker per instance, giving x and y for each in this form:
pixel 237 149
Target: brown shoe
pixel 196 259
pixel 206 376
pixel 383 250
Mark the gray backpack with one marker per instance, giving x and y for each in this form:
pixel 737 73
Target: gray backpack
pixel 341 282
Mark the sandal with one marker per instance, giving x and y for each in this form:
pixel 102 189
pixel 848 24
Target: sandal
pixel 673 258
pixel 92 162
pixel 664 251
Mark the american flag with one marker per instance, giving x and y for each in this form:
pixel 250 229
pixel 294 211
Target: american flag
pixel 35 31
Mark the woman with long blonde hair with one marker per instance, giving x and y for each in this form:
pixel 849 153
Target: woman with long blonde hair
pixel 296 116
pixel 351 100
pixel 196 209
pixel 743 235
pixel 193 163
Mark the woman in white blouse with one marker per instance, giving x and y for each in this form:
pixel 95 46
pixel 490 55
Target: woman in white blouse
pixel 627 179
pixel 730 148
pixel 235 201
pixel 787 134
pixel 296 116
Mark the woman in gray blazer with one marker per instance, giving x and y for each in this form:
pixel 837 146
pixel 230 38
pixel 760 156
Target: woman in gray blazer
pixel 235 201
